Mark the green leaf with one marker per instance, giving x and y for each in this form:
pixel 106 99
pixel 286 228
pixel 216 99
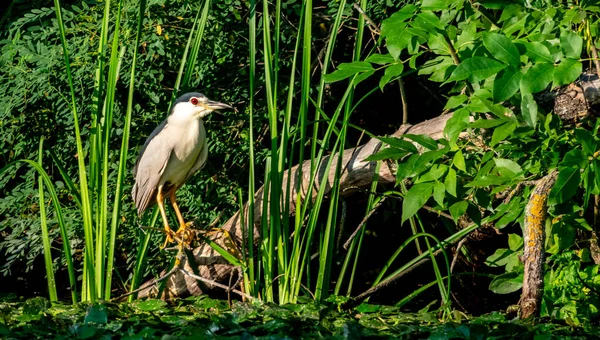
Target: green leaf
pixel 574 158
pixel 501 48
pixel 415 199
pixel 486 181
pixel 587 141
pixel 437 44
pixel 347 70
pixel 455 101
pixel 96 314
pixel 529 109
pixel 423 140
pixel 388 153
pixel 566 72
pixel 499 258
pixel 398 41
pixel 435 172
pixel 380 59
pixel 476 69
pixel 391 24
pixel 458 209
pixel 450 182
pixel 503 131
pixel 515 242
pixel 487 123
pixel 456 124
pixel 439 192
pixel 507 167
pixel 538 52
pixel 434 4
pixel 422 161
pixel 537 78
pixel 459 161
pixel 506 84
pixel 150 305
pixel 571 44
pixel 507 283
pixel 513 212
pixel 361 77
pixel 566 185
pixel 428 21
pixel 399 143
pixel 391 72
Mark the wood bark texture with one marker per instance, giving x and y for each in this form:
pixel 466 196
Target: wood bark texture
pixel 534 238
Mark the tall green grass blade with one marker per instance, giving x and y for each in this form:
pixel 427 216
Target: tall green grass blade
pixel 284 251
pixel 198 35
pixel 140 263
pixel 102 227
pixel 444 291
pixel 188 63
pixel 222 251
pixel 326 60
pixel 98 109
pixel 123 159
pixel 68 180
pixel 267 249
pixel 83 183
pixel 45 235
pixel 251 184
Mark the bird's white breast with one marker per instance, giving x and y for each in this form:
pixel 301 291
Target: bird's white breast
pixel 187 144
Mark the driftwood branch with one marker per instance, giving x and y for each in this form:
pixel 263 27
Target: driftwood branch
pixel 570 104
pixel 534 239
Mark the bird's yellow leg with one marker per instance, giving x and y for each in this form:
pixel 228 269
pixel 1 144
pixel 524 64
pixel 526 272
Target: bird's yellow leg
pixel 183 232
pixel 161 207
pixel 177 212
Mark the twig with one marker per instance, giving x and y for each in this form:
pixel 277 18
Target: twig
pixel 363 222
pixel 404 101
pixel 342 223
pixel 371 23
pixel 216 284
pixel 176 267
pixel 439 213
pixel 460 244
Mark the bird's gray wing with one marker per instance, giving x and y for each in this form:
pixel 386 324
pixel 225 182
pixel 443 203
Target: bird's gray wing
pixel 154 133
pixel 149 167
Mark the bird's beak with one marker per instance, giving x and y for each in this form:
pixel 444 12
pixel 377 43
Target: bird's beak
pixel 214 105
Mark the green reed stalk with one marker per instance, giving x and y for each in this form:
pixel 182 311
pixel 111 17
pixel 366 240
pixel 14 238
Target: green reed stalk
pixel 90 292
pixel 140 262
pixel 123 153
pixel 45 235
pixel 251 286
pixel 102 228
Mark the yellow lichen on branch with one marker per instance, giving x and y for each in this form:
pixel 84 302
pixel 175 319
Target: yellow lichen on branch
pixel 534 236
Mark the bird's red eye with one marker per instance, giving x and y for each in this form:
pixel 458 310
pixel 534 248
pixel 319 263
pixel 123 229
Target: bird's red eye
pixel 194 101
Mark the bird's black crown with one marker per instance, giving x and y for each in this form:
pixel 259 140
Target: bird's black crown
pixel 186 97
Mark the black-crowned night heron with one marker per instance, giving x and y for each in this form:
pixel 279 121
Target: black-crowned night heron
pixel 175 150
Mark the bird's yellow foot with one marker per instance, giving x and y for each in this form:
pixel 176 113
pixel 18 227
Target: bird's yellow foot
pixel 185 234
pixel 171 237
